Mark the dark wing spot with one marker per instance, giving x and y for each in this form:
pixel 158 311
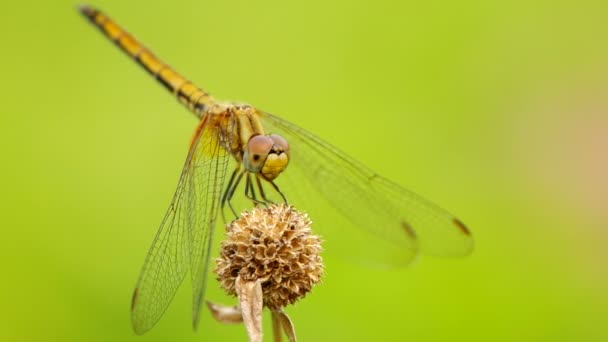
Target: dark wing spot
pixel 461 226
pixel 256 157
pixel 134 299
pixel 408 230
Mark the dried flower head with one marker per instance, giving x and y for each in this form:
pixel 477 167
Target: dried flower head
pixel 273 246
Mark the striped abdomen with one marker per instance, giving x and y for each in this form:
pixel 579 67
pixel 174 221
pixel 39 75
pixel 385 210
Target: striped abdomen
pixel 187 93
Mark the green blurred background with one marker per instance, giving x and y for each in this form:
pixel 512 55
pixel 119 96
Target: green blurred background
pixel 496 111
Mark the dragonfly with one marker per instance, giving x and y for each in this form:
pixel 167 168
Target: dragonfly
pixel 241 156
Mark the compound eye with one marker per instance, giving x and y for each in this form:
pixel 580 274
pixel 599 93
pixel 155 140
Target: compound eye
pixel 280 144
pixel 257 150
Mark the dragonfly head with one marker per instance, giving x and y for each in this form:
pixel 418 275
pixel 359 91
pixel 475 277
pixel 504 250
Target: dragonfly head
pixel 267 155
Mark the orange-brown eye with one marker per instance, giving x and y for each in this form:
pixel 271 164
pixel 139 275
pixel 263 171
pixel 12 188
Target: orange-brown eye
pixel 280 144
pixel 256 152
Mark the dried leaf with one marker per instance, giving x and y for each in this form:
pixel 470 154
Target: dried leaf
pixel 252 303
pixel 285 323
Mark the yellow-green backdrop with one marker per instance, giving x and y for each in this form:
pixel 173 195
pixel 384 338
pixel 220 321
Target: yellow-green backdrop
pixel 496 110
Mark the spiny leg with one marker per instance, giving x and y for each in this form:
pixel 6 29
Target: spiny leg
pixel 276 187
pixel 262 193
pixel 225 194
pixel 230 191
pixel 228 187
pixel 250 191
pixel 230 182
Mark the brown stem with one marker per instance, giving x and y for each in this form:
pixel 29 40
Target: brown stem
pixel 276 328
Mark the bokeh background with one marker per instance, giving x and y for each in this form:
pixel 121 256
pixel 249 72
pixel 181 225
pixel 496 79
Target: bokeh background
pixel 495 110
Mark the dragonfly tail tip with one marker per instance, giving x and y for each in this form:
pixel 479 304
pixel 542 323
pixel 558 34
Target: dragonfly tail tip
pixel 84 8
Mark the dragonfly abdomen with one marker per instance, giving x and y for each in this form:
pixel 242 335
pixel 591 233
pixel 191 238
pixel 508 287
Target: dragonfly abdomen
pixel 191 96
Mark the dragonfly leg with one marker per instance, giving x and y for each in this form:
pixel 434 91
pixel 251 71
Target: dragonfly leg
pixel 232 184
pixel 262 193
pixel 230 191
pixel 276 187
pixel 228 187
pixel 250 191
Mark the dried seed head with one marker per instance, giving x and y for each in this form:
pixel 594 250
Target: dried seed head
pixel 274 245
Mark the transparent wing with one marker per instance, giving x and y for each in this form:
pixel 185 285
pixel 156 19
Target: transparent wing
pixel 205 190
pixel 359 213
pixel 184 236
